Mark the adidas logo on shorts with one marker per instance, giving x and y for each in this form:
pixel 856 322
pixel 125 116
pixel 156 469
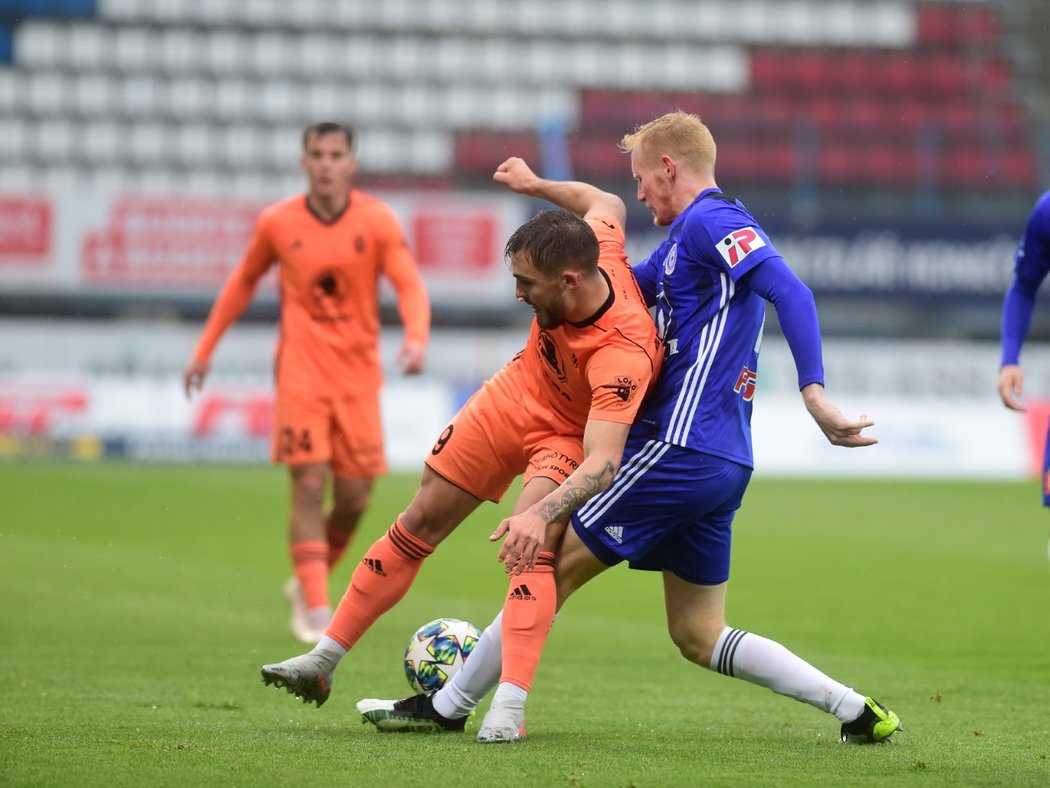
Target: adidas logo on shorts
pixel 616 532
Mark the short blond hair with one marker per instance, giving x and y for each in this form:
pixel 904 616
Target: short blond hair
pixel 678 134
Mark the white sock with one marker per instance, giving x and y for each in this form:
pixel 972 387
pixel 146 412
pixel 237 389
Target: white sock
pixel 480 674
pixel 509 692
pixel 753 658
pixel 331 648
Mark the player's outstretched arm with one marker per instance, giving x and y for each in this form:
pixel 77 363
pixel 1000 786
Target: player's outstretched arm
pixel 1011 386
pixel 233 299
pixel 838 429
pixel 581 198
pixel 603 443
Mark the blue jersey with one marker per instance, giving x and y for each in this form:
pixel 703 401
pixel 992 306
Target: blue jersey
pixel 711 326
pixel 1031 264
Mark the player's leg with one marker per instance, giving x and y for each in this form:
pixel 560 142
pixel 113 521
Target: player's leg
pixel 307 590
pixel 380 581
pixel 1046 479
pixel 468 464
pixel 358 459
pixel 449 707
pixel 350 498
pixel 696 622
pixel 525 626
pixel 301 442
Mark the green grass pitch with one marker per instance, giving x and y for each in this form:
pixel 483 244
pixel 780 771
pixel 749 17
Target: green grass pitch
pixel 139 602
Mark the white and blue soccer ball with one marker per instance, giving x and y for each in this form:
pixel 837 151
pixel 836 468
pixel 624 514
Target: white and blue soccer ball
pixel 437 651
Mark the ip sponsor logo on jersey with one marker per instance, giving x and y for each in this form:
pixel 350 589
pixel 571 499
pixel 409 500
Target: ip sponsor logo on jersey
pixel 739 244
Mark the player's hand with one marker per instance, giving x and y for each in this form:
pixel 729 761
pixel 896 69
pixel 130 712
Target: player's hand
pixel 1011 386
pixel 835 426
pixel 516 175
pixel 411 357
pixel 193 377
pixel 525 533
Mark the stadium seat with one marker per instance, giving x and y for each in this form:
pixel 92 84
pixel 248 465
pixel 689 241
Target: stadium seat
pixel 453 81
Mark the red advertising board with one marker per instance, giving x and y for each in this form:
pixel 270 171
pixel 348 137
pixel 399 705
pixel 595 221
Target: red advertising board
pixel 25 230
pixel 185 242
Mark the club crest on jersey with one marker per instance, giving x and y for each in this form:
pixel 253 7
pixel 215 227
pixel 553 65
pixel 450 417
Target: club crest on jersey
pixel 739 244
pixel 671 259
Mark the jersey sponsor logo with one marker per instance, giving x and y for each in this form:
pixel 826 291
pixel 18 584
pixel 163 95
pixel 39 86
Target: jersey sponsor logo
pixel 745 384
pixel 739 244
pixel 623 388
pixel 359 244
pixel 616 532
pixel 328 292
pixel 549 353
pixel 671 259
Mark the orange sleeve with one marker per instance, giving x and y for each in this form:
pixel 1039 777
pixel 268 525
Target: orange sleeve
pixel 619 377
pixel 399 267
pixel 237 293
pixel 607 229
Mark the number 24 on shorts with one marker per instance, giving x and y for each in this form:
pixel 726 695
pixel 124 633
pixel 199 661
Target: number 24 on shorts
pixel 294 441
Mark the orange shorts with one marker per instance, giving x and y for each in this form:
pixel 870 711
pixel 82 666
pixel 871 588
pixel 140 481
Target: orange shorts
pixel 496 437
pixel 345 432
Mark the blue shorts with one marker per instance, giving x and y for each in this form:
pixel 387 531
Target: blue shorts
pixel 668 508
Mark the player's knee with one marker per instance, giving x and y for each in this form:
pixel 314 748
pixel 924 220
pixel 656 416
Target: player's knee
pixel 695 644
pixel 347 509
pixel 308 484
pixel 426 523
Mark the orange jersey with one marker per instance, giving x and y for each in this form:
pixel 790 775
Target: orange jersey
pixel 329 290
pixel 601 368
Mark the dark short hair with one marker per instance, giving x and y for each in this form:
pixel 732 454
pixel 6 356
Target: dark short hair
pixel 328 127
pixel 555 241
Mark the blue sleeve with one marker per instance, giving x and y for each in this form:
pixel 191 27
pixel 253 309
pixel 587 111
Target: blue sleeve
pixel 1032 262
pixel 1017 317
pixel 797 312
pixel 646 273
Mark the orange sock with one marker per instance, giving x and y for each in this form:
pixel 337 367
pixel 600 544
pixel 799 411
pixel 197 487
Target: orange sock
pixel 310 560
pixel 378 583
pixel 338 541
pixel 527 617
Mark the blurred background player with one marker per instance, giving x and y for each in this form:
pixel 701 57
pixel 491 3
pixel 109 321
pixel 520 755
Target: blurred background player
pixel 1032 262
pixel 558 412
pixel 689 459
pixel 332 246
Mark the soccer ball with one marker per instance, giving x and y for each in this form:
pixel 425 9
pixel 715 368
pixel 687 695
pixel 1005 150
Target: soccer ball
pixel 437 651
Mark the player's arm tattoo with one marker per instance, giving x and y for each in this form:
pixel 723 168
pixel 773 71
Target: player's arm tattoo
pixel 572 495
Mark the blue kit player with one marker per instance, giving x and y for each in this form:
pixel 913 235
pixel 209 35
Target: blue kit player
pixel 1031 264
pixel 688 458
